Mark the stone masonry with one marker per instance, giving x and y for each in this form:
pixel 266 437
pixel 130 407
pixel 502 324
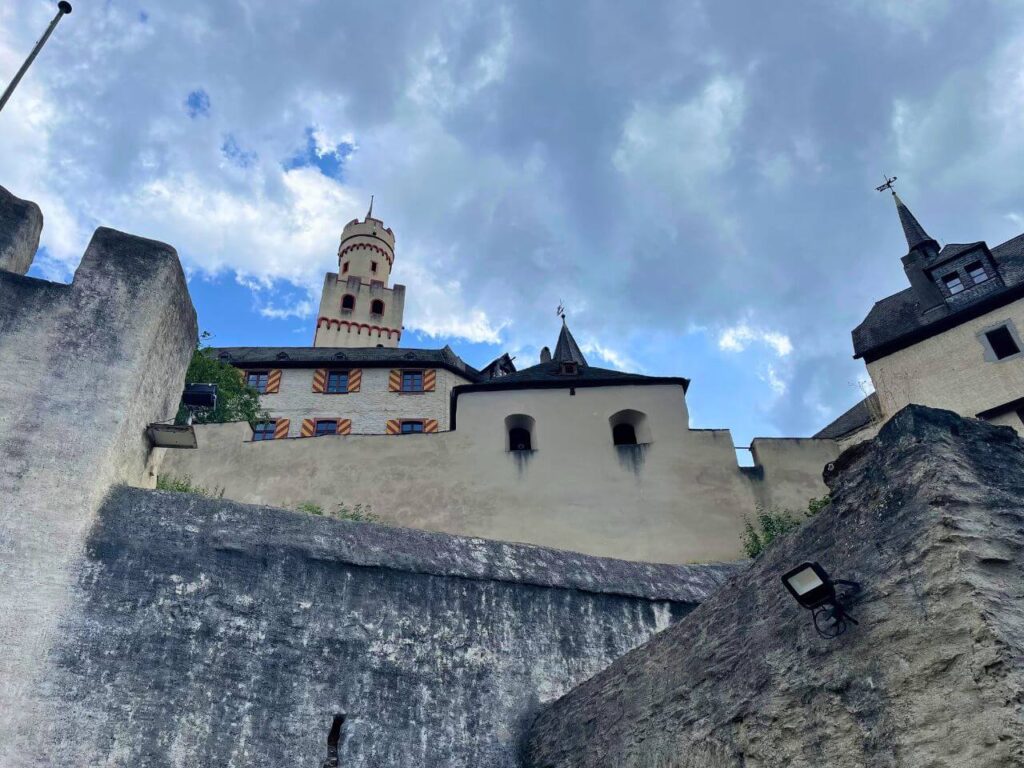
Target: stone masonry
pixel 21 221
pixel 929 517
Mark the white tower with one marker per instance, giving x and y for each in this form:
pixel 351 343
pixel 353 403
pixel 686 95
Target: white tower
pixel 357 308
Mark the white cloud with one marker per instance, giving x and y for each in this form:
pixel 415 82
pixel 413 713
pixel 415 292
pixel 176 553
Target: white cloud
pixel 738 337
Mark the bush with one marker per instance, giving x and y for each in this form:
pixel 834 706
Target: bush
pixel 184 484
pixel 236 400
pixel 360 513
pixel 774 524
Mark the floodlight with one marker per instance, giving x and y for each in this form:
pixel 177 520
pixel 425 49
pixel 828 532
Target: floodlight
pixel 812 587
pixel 172 435
pixel 198 396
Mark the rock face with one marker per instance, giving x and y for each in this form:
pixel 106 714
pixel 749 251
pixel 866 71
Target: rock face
pixel 21 222
pixel 211 633
pixel 930 518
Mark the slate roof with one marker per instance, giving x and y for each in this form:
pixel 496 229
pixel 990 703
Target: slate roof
pixel 371 357
pixel 853 420
pixel 912 228
pixel 896 321
pixel 567 350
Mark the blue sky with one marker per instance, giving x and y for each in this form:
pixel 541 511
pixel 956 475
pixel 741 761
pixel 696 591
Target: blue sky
pixel 695 180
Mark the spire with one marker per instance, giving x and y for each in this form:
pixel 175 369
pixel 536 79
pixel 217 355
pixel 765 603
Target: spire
pixel 912 229
pixel 567 350
pixel 369 213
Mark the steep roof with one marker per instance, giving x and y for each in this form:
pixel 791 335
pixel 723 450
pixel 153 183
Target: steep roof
pixel 371 357
pixel 897 321
pixel 858 417
pixel 567 350
pixel 912 229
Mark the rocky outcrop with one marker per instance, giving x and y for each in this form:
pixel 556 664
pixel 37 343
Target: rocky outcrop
pixel 21 222
pixel 930 518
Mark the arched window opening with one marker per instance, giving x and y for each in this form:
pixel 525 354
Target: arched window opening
pixel 377 307
pixel 348 301
pixel 630 427
pixel 520 433
pixel 519 439
pixel 623 434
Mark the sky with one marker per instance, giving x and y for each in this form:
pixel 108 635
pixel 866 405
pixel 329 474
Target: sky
pixel 693 180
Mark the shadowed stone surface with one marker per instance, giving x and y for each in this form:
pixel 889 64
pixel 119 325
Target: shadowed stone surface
pixel 930 518
pixel 212 633
pixel 21 222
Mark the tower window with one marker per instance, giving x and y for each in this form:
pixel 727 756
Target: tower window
pixel 263 430
pixel 344 268
pixel 953 283
pixel 1002 342
pixel 326 427
pixel 377 307
pixel 412 427
pixel 373 267
pixel 569 369
pixel 257 380
pixel 337 383
pixel 348 301
pixel 977 272
pixel 624 434
pixel 412 381
pixel 519 431
pixel 519 439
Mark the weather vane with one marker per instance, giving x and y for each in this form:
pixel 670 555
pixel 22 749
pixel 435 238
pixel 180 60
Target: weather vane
pixel 561 309
pixel 888 184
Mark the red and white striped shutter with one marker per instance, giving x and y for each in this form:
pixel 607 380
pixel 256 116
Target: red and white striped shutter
pixel 394 426
pixel 355 379
pixel 281 428
pixel 308 427
pixel 395 381
pixel 273 381
pixel 344 426
pixel 319 380
pixel 429 380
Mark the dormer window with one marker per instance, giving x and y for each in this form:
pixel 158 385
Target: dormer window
pixel 977 272
pixel 569 369
pixel 953 283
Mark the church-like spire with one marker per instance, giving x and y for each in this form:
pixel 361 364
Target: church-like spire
pixel 567 350
pixel 912 229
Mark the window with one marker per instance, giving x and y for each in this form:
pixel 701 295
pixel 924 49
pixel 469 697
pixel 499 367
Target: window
pixel 1002 342
pixel 519 439
pixel 977 272
pixel 264 430
pixel 337 383
pixel 344 268
pixel 519 432
pixel 326 427
pixel 569 369
pixel 412 381
pixel 377 307
pixel 412 427
pixel 348 301
pixel 623 434
pixel 953 283
pixel 373 267
pixel 257 380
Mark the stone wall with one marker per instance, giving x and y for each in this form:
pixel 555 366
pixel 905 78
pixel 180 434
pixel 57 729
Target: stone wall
pixel 86 367
pixel 209 633
pixel 929 517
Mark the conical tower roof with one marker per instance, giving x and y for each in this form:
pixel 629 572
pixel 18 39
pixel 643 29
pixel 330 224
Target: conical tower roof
pixel 912 229
pixel 567 350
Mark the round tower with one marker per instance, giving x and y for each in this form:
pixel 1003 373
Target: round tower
pixel 357 307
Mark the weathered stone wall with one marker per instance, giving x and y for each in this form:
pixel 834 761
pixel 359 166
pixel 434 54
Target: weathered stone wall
pixel 21 222
pixel 85 367
pixel 929 517
pixel 209 633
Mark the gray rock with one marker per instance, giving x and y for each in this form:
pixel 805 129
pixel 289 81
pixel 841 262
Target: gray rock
pixel 930 518
pixel 21 222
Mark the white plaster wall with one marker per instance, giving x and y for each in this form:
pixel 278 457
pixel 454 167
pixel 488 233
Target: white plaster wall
pixel 365 293
pixel 369 409
pixel 680 499
pixel 950 370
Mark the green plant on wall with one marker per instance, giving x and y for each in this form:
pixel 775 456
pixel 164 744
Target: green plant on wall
pixel 769 525
pixel 236 400
pixel 184 484
pixel 360 513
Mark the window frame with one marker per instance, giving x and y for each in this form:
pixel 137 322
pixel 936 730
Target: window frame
pixel 992 353
pixel 373 267
pixel 258 372
pixel 348 296
pixel 318 422
pixel 259 435
pixel 951 279
pixel 414 372
pixel 978 266
pixel 327 382
pixel 344 268
pixel 410 422
pixel 374 303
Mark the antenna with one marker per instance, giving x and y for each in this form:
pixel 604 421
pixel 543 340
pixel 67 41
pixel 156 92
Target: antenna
pixel 369 213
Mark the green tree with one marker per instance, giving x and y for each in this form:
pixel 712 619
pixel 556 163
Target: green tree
pixel 236 400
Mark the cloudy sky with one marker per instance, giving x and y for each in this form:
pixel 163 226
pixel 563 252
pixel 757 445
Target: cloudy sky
pixel 694 180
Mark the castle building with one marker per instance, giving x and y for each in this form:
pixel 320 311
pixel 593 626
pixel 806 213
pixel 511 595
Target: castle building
pixel 952 340
pixel 357 307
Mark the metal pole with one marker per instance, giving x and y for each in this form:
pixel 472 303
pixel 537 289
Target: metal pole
pixel 62 9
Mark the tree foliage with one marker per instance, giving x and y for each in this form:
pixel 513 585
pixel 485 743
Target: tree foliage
pixel 236 401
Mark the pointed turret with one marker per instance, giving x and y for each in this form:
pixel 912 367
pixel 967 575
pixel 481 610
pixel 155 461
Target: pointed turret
pixel 912 229
pixel 567 350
